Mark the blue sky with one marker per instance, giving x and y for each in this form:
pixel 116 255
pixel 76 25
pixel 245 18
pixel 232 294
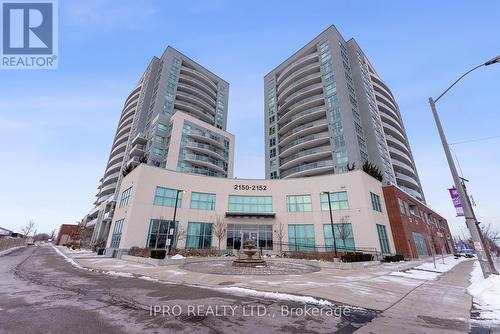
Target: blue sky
pixel 56 127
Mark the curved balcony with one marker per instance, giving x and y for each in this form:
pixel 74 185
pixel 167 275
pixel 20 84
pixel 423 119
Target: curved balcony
pixel 112 178
pixel 383 108
pixel 389 117
pixel 186 97
pixel 304 143
pixel 196 92
pixel 304 130
pixel 106 190
pixel 309 155
pixel 396 153
pixel 205 79
pixel 414 193
pixel 305 116
pixel 302 94
pixel 138 150
pixel 299 63
pixel 309 169
pixel 205 149
pixel 382 99
pixel 123 138
pixel 131 95
pixel 395 142
pixel 193 81
pixel 377 81
pixel 391 130
pixel 129 112
pixel 113 168
pixel 407 181
pixel 116 158
pixel 205 138
pixel 309 103
pixel 204 161
pixel 119 148
pixel 404 168
pixel 193 110
pixel 299 84
pixel 305 71
pixel 125 123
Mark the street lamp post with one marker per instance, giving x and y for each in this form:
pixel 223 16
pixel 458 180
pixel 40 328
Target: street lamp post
pixel 331 222
pixel 468 211
pixel 173 220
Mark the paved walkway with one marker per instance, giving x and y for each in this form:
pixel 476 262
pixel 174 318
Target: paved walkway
pixel 441 306
pixel 372 287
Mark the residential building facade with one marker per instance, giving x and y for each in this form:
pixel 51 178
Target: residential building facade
pixel 288 215
pixel 327 111
pixel 418 231
pixel 148 131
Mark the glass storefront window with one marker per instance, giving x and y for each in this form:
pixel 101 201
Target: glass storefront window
pixel 238 203
pixel 237 234
pixel 344 238
pixel 159 232
pixel 199 235
pixel 301 238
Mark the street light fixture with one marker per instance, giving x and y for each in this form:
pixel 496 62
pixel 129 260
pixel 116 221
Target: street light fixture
pixel 470 220
pixel 331 221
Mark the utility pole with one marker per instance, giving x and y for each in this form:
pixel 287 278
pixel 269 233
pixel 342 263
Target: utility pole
pixel 470 218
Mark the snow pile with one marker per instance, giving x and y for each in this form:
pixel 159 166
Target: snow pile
pixel 416 274
pixel 118 274
pixel 449 262
pixel 177 257
pixel 485 294
pixel 276 296
pixel 71 261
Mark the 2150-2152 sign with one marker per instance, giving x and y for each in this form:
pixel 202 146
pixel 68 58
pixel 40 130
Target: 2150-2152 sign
pixel 259 187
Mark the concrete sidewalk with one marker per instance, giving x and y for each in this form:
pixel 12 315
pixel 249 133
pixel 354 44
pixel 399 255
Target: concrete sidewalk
pixel 372 287
pixel 441 306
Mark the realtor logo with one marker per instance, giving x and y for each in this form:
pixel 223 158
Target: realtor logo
pixel 29 34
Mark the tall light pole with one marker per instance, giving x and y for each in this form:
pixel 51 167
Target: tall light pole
pixel 331 221
pixel 470 219
pixel 179 191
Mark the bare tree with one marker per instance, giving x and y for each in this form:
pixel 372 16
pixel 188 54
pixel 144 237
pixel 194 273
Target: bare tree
pixel 180 234
pixel 280 234
pixel 52 234
pixel 28 228
pixel 491 237
pixel 344 230
pixel 219 229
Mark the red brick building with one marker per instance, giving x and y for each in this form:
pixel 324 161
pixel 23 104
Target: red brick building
pixel 416 227
pixel 65 232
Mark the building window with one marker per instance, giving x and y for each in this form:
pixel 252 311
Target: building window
pixel 299 203
pixel 124 198
pixel 160 140
pixel 339 141
pixel 414 210
pixel 237 234
pixel 202 201
pixel 376 202
pixel 158 151
pixel 401 206
pixel 337 128
pixel 272 130
pixel 238 203
pixel 301 237
pixel 272 141
pixel 344 238
pixel 272 152
pixel 162 127
pixel 117 234
pixel 338 201
pixel 167 197
pixel 199 235
pixel 273 175
pixel 341 157
pixel 161 233
pixel 383 239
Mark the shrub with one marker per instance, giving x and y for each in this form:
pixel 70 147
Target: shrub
pixel 356 257
pixel 394 258
pixel 207 252
pixel 141 252
pixel 158 254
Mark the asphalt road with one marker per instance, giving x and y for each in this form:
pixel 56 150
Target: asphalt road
pixel 42 293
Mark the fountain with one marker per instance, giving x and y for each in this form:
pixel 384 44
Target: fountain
pixel 249 261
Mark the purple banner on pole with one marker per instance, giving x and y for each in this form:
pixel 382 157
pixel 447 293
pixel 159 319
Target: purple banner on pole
pixel 456 202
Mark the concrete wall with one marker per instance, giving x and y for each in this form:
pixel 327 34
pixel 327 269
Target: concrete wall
pixel 144 180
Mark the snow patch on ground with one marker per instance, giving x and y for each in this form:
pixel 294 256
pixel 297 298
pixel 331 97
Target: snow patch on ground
pixel 449 263
pixel 416 274
pixel 485 294
pixel 68 259
pixel 118 274
pixel 177 257
pixel 275 295
pixel 10 250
